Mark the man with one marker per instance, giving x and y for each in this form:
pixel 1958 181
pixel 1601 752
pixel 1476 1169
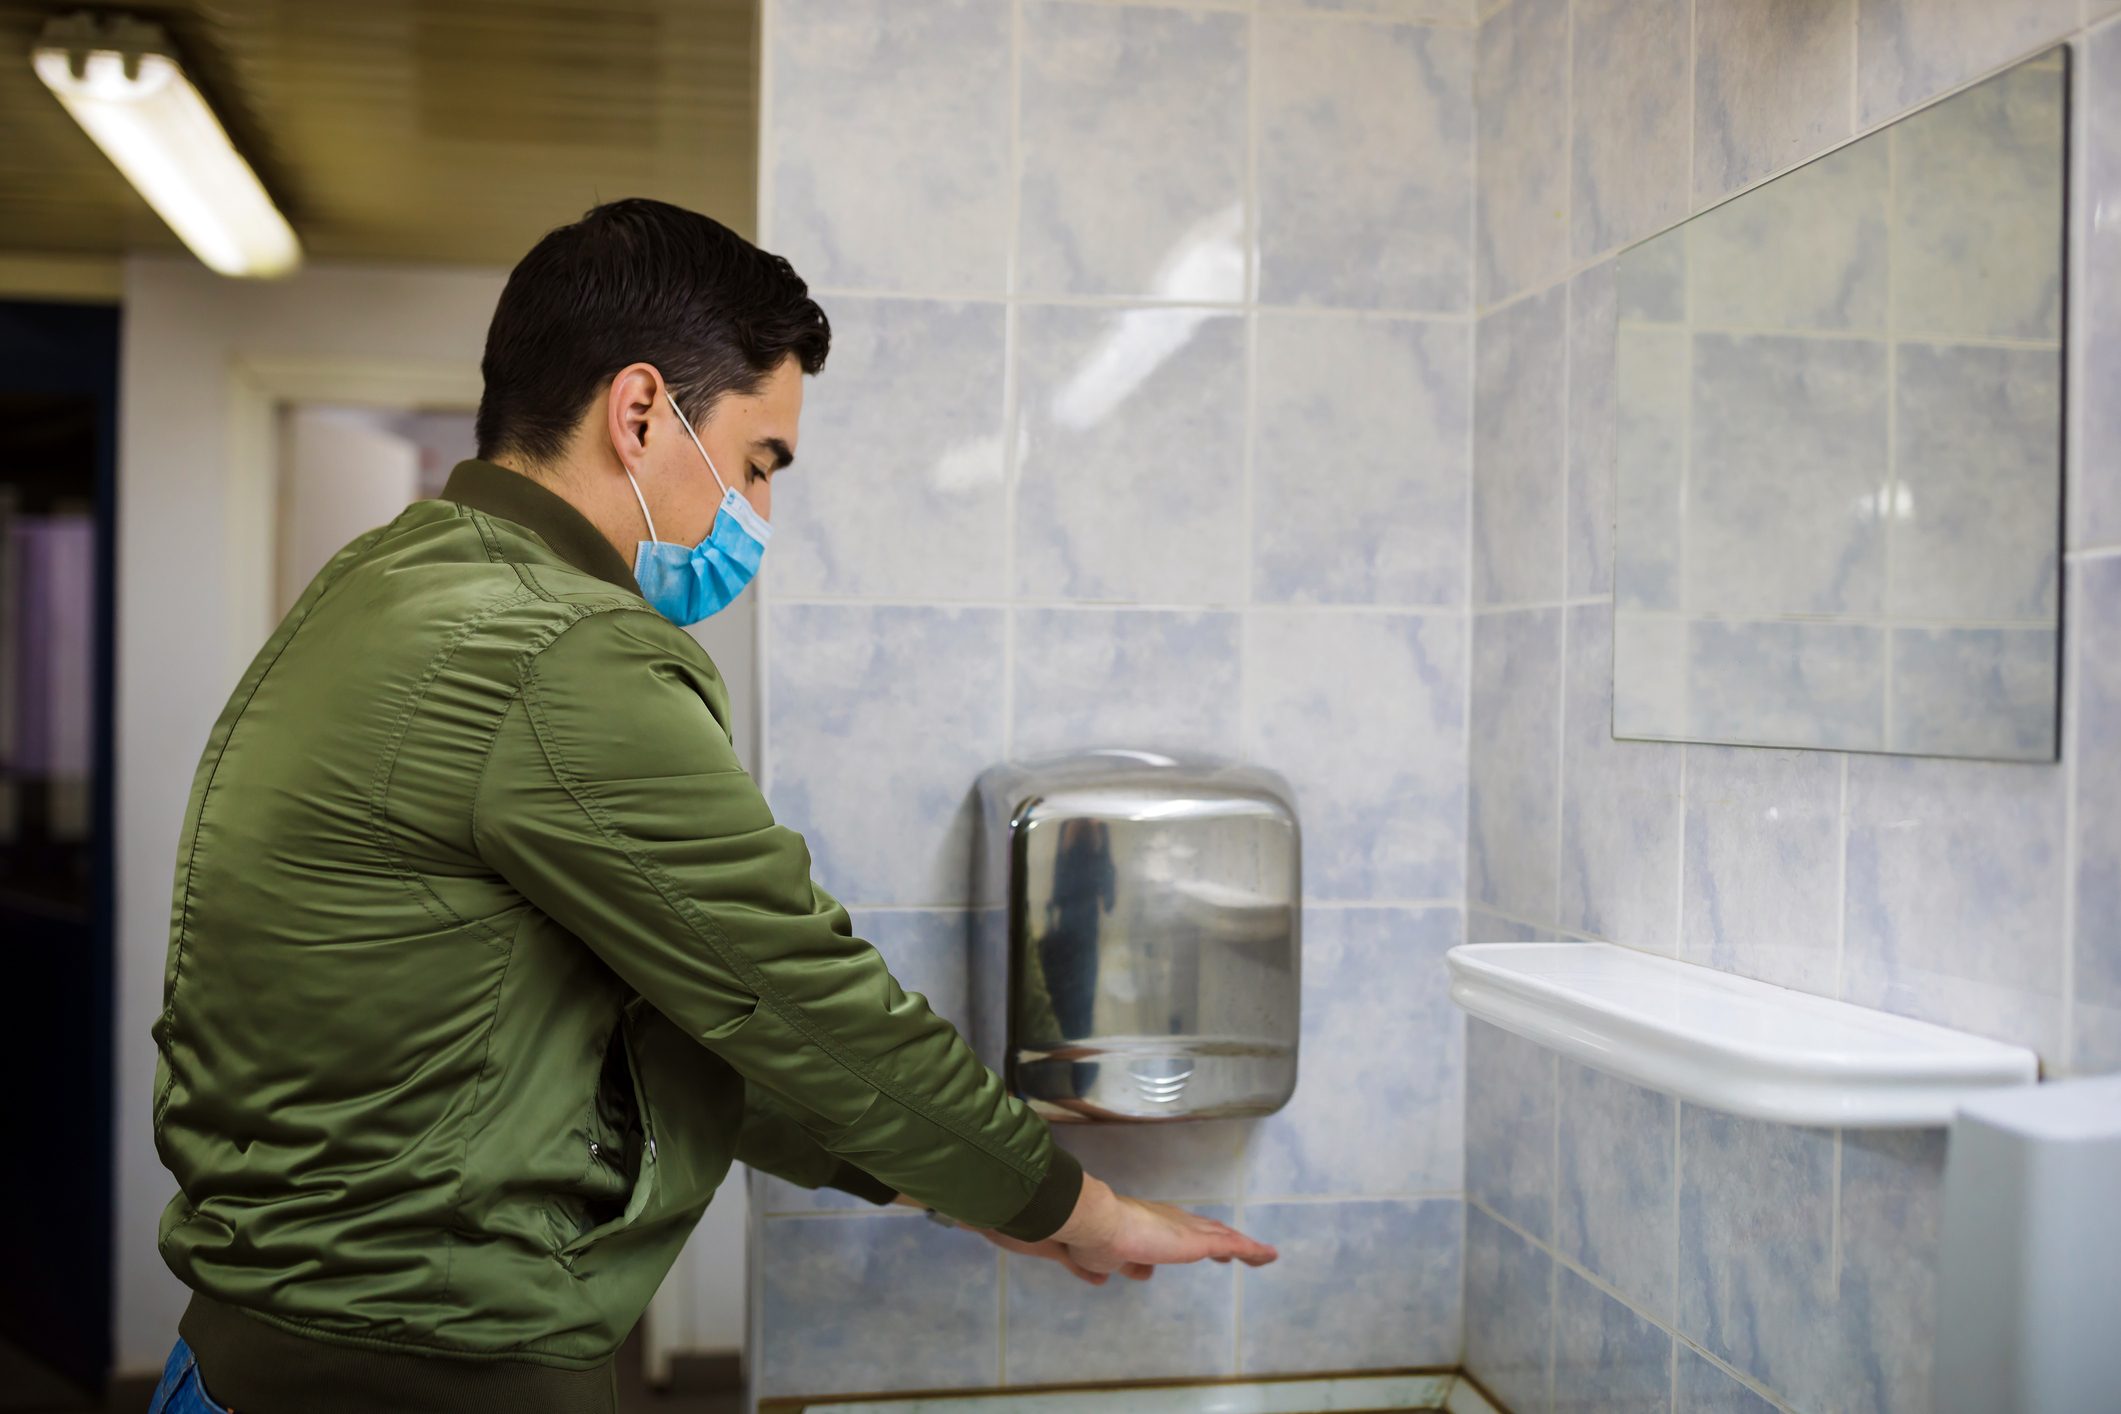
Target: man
pixel 487 957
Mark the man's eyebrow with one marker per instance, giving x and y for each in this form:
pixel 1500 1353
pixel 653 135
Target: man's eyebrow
pixel 781 455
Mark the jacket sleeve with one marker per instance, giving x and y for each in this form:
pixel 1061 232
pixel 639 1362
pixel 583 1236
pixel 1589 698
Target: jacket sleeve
pixel 612 800
pixel 772 1141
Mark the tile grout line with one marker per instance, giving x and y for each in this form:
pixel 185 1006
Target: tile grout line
pixel 1012 275
pixel 1247 726
pixel 1402 314
pixel 1559 1259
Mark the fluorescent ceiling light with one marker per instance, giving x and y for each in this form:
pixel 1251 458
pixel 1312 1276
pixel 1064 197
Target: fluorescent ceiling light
pixel 124 87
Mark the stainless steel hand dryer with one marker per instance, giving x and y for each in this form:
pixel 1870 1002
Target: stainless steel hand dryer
pixel 1153 934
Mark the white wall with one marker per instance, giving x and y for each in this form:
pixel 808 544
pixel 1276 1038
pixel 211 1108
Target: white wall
pixel 195 559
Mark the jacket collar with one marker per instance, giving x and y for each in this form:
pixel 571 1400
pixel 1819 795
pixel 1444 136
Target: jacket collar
pixel 510 495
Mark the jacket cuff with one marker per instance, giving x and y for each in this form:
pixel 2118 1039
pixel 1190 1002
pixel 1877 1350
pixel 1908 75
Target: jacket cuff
pixel 861 1183
pixel 1052 1203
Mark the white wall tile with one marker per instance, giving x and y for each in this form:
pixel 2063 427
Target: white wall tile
pixel 1361 466
pixel 897 492
pixel 1131 443
pixel 882 719
pixel 1361 1284
pixel 915 196
pixel 1370 1118
pixel 1110 92
pixel 1365 164
pixel 1364 712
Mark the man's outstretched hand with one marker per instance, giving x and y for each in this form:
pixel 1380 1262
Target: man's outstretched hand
pixel 1110 1233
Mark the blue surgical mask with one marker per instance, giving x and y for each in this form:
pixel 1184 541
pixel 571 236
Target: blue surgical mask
pixel 686 583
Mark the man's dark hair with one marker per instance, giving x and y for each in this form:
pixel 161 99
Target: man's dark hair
pixel 637 281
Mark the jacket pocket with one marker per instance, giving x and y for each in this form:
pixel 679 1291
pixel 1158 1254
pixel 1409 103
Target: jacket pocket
pixel 622 1147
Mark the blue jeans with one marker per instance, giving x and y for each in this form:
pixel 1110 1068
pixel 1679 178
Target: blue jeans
pixel 181 1390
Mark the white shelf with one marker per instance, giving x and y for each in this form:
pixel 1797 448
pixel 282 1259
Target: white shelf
pixel 1727 1042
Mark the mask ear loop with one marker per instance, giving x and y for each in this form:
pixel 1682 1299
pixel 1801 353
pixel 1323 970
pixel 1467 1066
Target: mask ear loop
pixel 644 504
pixel 711 467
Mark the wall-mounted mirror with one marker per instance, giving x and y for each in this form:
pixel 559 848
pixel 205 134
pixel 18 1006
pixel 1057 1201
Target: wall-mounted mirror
pixel 1840 445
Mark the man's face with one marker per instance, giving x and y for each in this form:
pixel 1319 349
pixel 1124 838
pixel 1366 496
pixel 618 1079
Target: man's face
pixel 750 436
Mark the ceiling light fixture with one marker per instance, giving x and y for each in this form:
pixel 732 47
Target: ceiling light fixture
pixel 121 81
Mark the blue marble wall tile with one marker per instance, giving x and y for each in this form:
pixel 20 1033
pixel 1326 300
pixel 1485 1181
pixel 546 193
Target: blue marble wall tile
pixel 1628 168
pixel 1361 464
pixel 1195 1162
pixel 1493 928
pixel 1977 211
pixel 1126 677
pixel 2095 495
pixel 1771 87
pixel 1892 1214
pixel 1523 82
pixel 1516 768
pixel 1130 435
pixel 928 951
pixel 1366 1118
pixel 1178 1324
pixel 916 195
pixel 1364 712
pixel 1955 880
pixel 1910 50
pixel 1365 164
pixel 1653 378
pixel 2096 603
pixel 1978 460
pixel 1361 1284
pixel 902 446
pixel 1133 149
pixel 1788 455
pixel 1593 432
pixel 1764 1286
pixel 1763 862
pixel 1704 1388
pixel 1620 807
pixel 1976 692
pixel 1510 1127
pixel 882 718
pixel 1756 1257
pixel 1519 419
pixel 1607 1359
pixel 826 1331
pixel 1786 683
pixel 1613 1211
pixel 1509 1314
pixel 1752 269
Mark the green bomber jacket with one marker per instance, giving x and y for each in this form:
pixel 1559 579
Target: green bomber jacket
pixel 487 959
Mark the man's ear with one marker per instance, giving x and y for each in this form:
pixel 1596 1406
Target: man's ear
pixel 626 407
